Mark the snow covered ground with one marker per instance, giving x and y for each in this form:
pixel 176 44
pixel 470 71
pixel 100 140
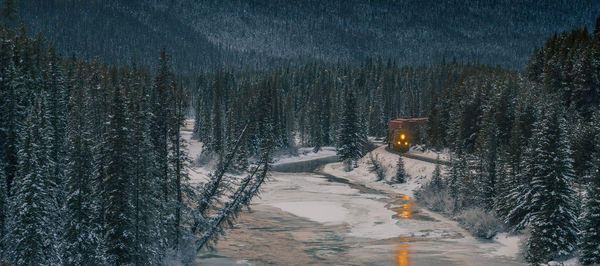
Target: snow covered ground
pixel 318 220
pixel 194 149
pixel 312 218
pixel 419 150
pixel 305 154
pixel 420 172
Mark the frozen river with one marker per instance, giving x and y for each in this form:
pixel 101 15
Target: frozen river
pixel 315 218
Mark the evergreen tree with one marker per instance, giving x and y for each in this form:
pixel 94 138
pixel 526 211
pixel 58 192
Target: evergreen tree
pixel 518 198
pixel 504 183
pixel 11 112
pixel 161 112
pixel 401 175
pixel 3 209
pixel 54 84
pixel 488 149
pixel 146 197
pixel 32 227
pixel 350 135
pixel 78 235
pixel 590 221
pixel 553 220
pixel 118 236
pixel 436 178
pixel 457 180
pixel 216 141
pixel 265 124
pixel 178 166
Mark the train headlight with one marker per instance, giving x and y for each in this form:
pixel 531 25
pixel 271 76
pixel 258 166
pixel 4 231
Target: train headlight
pixel 405 143
pixel 399 143
pixel 402 136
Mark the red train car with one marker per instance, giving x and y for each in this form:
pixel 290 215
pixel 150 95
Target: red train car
pixel 403 132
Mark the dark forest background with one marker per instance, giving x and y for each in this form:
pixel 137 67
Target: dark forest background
pixel 202 35
pixel 93 95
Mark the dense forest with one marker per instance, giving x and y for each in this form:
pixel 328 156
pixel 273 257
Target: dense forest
pixel 202 35
pixel 94 167
pixel 515 137
pixel 96 133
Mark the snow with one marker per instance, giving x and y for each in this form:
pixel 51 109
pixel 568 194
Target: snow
pixel 510 245
pixel 503 245
pixel 327 213
pixel 194 149
pixel 421 151
pixel 418 171
pixel 305 154
pixel 569 262
pixel 364 215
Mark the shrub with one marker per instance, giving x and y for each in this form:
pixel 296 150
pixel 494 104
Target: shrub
pixel 401 175
pixel 288 150
pixel 377 168
pixel 206 158
pixel 479 222
pixel 348 165
pixel 436 199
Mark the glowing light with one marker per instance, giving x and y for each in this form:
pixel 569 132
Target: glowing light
pixel 403 253
pixel 399 143
pixel 406 143
pixel 405 212
pixel 402 136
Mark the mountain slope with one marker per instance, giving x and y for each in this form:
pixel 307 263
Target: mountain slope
pixel 209 33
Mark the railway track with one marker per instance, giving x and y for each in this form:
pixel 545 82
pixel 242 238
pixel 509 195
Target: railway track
pixel 418 157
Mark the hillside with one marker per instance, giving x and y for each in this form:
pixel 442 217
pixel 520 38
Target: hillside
pixel 204 34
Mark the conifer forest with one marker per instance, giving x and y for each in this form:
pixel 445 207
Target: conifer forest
pixel 299 132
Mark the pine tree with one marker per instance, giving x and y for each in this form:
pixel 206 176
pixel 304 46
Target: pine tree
pixel 178 166
pixel 436 178
pixel 3 209
pixel 401 175
pixel 116 192
pixel 54 84
pixel 469 192
pixel 457 180
pixel 504 183
pixel 553 220
pixel 9 125
pixel 518 198
pixel 161 112
pixel 98 104
pixel 216 141
pixel 317 124
pixel 350 135
pixel 590 221
pixel 486 168
pixel 197 105
pixel 32 237
pixel 78 235
pixel 265 135
pixel 146 194
pixel 12 112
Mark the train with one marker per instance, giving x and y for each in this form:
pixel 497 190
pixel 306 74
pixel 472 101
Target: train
pixel 404 132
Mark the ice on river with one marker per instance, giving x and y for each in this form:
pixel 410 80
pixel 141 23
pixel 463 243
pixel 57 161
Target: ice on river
pixel 313 197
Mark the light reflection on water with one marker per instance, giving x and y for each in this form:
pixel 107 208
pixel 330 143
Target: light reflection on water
pixel 405 212
pixel 403 251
